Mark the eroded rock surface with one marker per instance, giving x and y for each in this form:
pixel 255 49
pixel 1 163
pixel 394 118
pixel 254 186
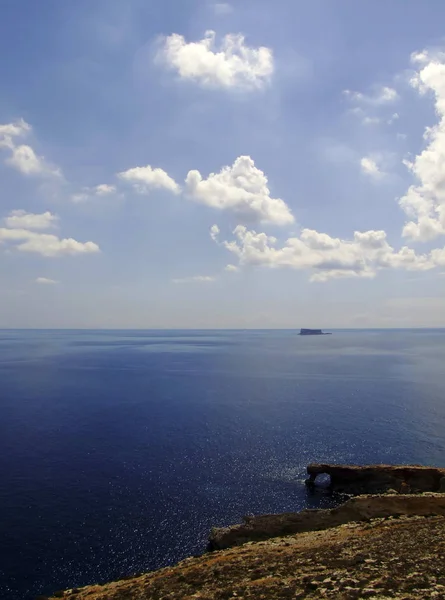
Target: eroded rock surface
pixel 386 544
pixel 384 558
pixel 378 479
pixel 361 508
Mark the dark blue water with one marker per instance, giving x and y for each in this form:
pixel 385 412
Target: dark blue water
pixel 119 450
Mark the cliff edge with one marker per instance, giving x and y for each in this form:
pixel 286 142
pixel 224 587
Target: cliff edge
pixel 382 558
pixel 386 545
pixel 361 508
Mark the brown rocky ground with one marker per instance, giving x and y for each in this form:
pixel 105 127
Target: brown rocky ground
pixel 383 558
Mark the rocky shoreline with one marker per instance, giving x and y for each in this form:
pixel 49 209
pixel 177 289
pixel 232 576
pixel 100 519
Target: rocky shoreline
pixel 385 543
pixel 361 508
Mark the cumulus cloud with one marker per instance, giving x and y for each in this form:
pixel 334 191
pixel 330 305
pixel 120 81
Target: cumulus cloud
pixel 45 281
pixel 194 279
pixel 370 167
pixel 45 244
pixel 327 257
pixel 144 179
pixel 438 256
pixel 22 157
pixel 424 202
pixel 11 130
pixel 20 219
pixel 241 188
pixel 231 65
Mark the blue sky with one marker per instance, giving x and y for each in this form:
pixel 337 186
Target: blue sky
pixel 191 163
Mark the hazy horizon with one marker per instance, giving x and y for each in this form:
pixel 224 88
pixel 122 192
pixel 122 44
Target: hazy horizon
pixel 220 329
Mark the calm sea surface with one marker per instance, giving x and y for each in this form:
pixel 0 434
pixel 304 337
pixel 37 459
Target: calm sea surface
pixel 119 450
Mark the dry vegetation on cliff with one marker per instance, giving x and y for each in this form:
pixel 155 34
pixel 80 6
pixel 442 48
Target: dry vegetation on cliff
pixel 384 558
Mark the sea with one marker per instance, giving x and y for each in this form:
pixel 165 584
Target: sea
pixel 120 450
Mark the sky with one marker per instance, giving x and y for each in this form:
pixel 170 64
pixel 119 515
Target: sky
pixel 202 164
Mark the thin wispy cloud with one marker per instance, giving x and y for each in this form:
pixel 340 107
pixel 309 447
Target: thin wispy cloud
pixel 45 281
pixel 194 279
pixel 222 8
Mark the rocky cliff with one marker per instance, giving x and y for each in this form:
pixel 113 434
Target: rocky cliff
pixel 383 558
pixel 361 508
pixel 389 545
pixel 378 479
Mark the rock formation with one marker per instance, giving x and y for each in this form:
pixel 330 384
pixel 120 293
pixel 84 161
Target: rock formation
pixel 361 508
pixel 385 544
pixel 400 558
pixel 379 479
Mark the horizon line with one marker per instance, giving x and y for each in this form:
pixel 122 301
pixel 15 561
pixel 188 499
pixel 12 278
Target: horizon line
pixel 417 327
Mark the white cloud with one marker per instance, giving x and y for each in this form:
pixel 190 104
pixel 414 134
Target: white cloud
pixel 365 106
pixel 424 202
pixel 370 167
pixel 327 257
pixel 87 193
pixel 231 268
pixel 10 130
pixel 420 57
pixel 80 197
pixel 323 276
pixel 222 8
pixel 438 256
pixel 371 121
pixel 22 157
pixel 426 228
pixel 232 65
pixel 241 188
pixel 394 117
pixel 104 188
pixel 45 244
pixel 195 279
pixel 214 232
pixel 144 179
pixel 384 95
pixel 45 281
pixel 20 219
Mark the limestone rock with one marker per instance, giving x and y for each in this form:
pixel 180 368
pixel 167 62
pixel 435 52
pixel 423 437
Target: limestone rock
pixel 302 569
pixel 379 479
pixel 360 508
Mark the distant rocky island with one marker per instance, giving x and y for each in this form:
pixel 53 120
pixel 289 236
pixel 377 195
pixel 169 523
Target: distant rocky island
pixel 385 541
pixel 313 332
